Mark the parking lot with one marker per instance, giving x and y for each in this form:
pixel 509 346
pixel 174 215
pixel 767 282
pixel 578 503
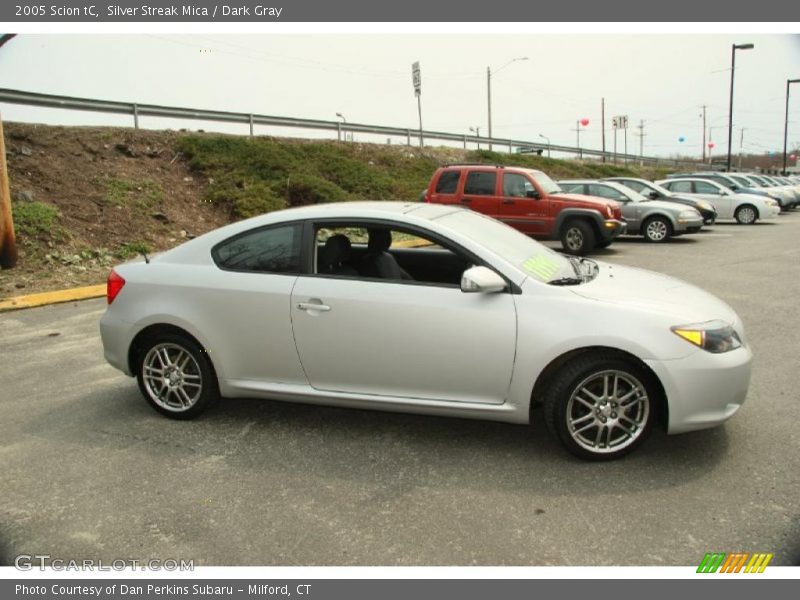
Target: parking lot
pixel 88 470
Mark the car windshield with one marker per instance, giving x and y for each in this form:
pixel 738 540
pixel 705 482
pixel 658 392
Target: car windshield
pixel 527 255
pixel 741 181
pixel 548 185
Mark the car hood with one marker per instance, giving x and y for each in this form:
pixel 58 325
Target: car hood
pixel 662 204
pixel 587 199
pixel 647 290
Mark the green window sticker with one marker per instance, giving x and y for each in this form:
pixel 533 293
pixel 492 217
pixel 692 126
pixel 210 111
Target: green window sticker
pixel 542 267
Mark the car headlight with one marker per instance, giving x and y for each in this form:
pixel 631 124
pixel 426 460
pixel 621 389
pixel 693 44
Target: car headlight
pixel 712 336
pixel 771 202
pixel 689 214
pixel 705 205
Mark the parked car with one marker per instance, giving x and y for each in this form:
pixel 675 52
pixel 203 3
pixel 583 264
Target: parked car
pixel 650 190
pixel 321 305
pixel 744 208
pixel 784 198
pixel 531 202
pixel 656 220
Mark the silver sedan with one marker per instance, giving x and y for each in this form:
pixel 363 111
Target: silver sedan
pixel 424 308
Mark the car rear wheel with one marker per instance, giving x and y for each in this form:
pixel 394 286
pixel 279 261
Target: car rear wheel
pixel 746 214
pixel 657 229
pixel 175 376
pixel 577 237
pixel 601 406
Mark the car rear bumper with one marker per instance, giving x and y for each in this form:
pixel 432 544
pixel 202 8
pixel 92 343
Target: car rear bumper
pixel 704 390
pixel 116 336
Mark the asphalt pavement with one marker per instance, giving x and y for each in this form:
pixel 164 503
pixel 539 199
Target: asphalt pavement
pixel 88 470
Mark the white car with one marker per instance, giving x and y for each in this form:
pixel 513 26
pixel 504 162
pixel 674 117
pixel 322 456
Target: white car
pixel 430 309
pixel 744 208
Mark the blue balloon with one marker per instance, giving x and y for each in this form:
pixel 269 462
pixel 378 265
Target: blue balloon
pixel 681 139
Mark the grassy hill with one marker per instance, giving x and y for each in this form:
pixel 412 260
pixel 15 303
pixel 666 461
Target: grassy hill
pixel 86 198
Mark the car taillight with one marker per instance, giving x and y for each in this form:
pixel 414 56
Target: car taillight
pixel 113 286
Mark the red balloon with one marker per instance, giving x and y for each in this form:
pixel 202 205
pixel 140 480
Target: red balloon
pixel 711 144
pixel 584 122
pixel 792 156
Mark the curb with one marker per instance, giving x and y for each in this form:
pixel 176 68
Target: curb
pixel 46 298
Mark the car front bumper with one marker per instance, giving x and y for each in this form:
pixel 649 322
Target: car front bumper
pixel 689 225
pixel 611 228
pixel 704 390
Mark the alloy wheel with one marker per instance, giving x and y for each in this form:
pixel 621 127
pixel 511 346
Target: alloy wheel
pixel 607 411
pixel 172 377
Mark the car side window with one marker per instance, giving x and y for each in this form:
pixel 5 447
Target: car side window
pixel 448 182
pixel 480 183
pixel 375 252
pixel 264 250
pixel 705 188
pixel 607 192
pixel 516 185
pixel 681 186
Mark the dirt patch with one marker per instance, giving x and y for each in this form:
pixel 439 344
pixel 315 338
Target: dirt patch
pixel 85 199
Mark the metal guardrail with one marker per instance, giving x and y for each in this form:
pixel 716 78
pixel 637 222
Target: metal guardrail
pixel 137 110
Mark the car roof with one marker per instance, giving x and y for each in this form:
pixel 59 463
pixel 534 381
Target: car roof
pixel 493 167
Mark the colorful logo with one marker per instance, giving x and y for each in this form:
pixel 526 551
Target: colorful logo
pixel 738 562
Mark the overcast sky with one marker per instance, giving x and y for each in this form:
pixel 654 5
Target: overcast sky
pixel 662 79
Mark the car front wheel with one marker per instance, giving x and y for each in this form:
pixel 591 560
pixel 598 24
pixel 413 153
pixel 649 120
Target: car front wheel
pixel 175 376
pixel 601 406
pixel 746 214
pixel 657 229
pixel 577 237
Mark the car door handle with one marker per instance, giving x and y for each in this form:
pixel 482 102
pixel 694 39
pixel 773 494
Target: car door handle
pixel 313 306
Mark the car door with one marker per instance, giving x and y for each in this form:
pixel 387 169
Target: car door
pixel 406 339
pixel 518 209
pixel 722 201
pixel 480 193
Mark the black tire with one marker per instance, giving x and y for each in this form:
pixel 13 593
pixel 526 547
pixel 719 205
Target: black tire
pixel 746 214
pixel 182 389
pixel 657 229
pixel 577 237
pixel 575 421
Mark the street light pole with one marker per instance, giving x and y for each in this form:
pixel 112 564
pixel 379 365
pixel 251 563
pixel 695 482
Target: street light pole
pixel 544 137
pixel 786 121
pixel 477 132
pixel 339 128
pixel 734 48
pixel 489 90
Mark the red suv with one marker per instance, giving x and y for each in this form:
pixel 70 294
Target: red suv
pixel 530 201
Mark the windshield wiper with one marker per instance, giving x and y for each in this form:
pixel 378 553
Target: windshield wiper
pixel 566 281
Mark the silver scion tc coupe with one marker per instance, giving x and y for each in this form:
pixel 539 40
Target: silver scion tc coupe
pixel 430 309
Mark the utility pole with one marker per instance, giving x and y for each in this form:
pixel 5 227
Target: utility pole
pixel 8 244
pixel 741 146
pixel 703 147
pixel 603 124
pixel 641 135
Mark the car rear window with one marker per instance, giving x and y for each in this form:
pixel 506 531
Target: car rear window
pixel 481 183
pixel 448 182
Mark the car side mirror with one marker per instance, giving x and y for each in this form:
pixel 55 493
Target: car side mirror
pixel 653 195
pixel 482 280
pixel 532 194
